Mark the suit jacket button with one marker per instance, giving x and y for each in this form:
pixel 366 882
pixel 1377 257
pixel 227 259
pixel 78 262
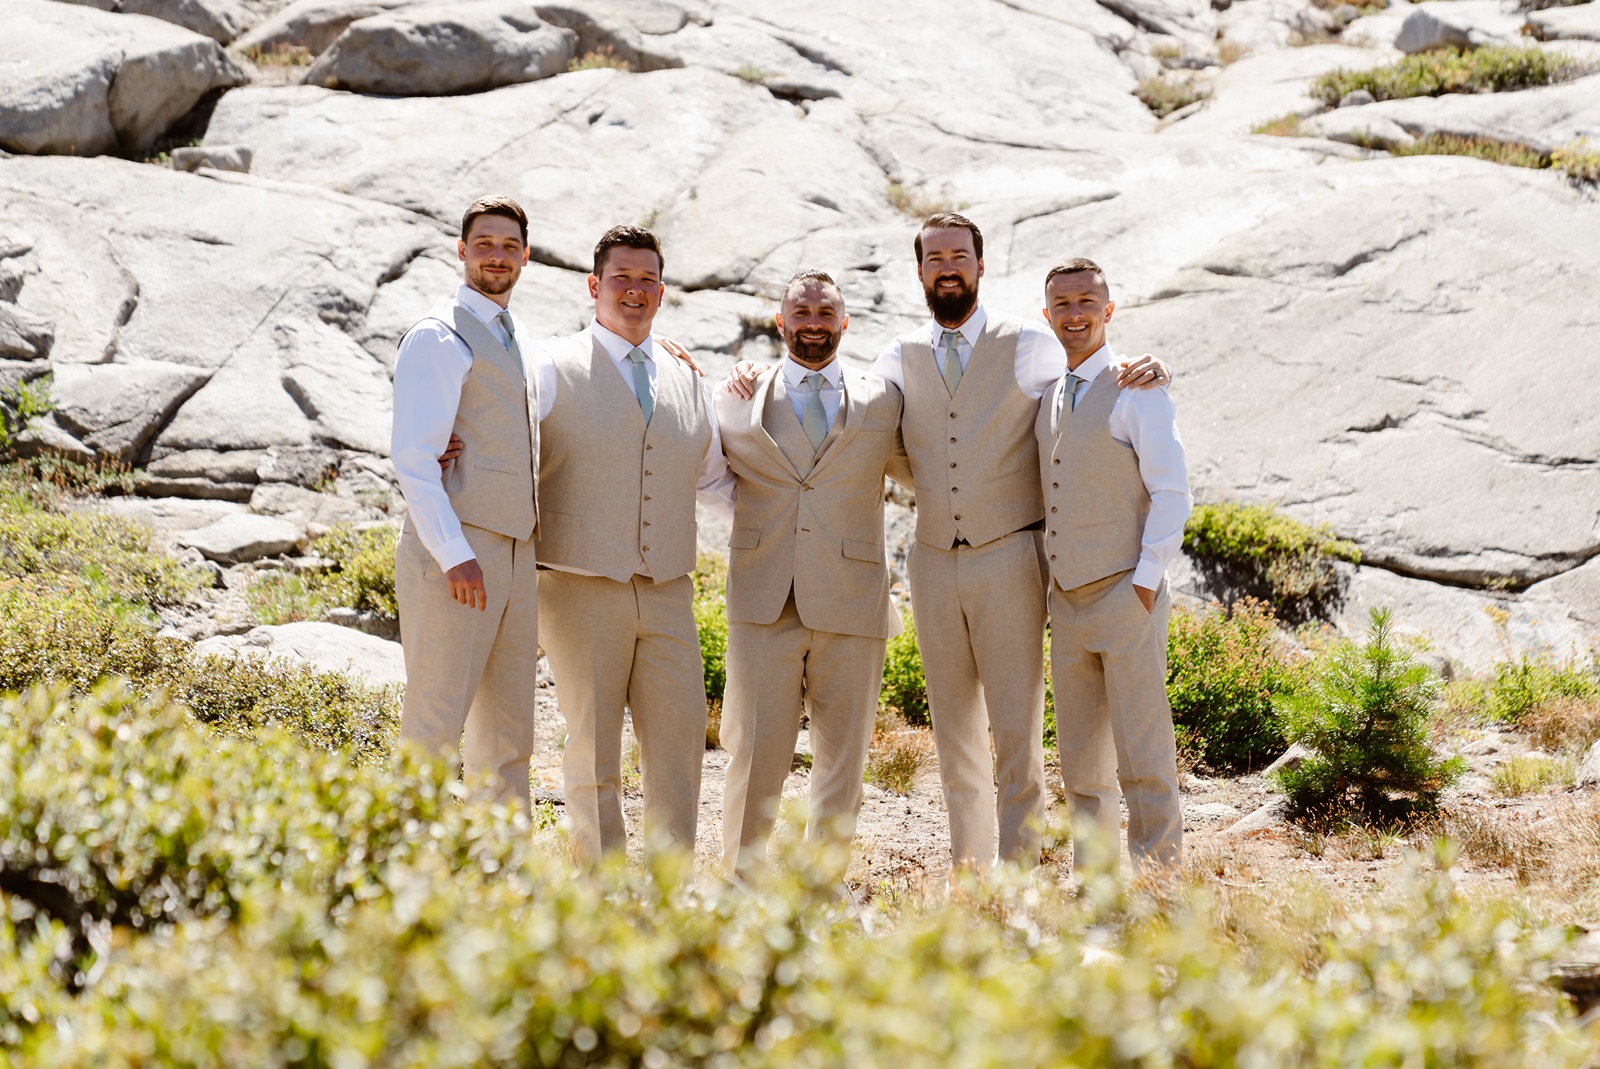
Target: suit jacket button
pixel 1052 556
pixel 952 415
pixel 1055 486
pixel 952 463
pixel 955 489
pixel 958 515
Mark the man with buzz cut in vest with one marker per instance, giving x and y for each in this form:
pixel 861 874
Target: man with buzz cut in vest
pixel 628 439
pixel 1116 485
pixel 464 566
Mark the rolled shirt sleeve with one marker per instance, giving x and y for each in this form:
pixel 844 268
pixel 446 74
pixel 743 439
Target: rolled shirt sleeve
pixel 429 371
pixel 1147 420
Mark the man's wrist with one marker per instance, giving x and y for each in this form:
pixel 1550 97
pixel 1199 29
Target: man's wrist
pixel 453 552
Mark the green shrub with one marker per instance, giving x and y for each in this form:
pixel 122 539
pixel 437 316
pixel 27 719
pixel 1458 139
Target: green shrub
pixel 1518 688
pixel 283 598
pixel 20 407
pixel 1490 69
pixel 1164 96
pixel 603 58
pixel 905 689
pixel 266 906
pixel 1225 669
pixel 1505 153
pixel 1529 773
pixel 711 619
pixel 363 574
pixel 1578 160
pixel 1255 551
pixel 1364 714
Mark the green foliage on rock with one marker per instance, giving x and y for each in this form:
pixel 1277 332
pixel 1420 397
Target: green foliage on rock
pixel 1579 160
pixel 1259 552
pixel 1364 715
pixel 905 688
pixel 1493 68
pixel 176 900
pixel 1225 669
pixel 20 407
pixel 711 618
pixel 359 575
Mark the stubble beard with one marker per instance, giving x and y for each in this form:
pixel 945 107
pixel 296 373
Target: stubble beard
pixel 953 307
pixel 812 354
pixel 489 285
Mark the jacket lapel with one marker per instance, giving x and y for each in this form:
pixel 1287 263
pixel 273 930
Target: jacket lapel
pixel 854 403
pixel 766 393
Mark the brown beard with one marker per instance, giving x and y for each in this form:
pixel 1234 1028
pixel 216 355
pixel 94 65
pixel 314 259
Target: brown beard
pixel 954 308
pixel 484 284
pixel 811 354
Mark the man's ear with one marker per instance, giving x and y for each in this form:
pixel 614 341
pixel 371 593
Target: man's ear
pixel 844 323
pixel 1111 306
pixel 525 251
pixel 461 250
pixel 594 287
pixel 778 319
pixel 980 267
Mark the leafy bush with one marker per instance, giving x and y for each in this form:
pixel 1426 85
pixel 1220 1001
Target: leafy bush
pixel 1364 714
pixel 360 576
pixel 1167 95
pixel 1225 669
pixel 1255 551
pixel 1520 688
pixel 1529 773
pixel 1579 160
pixel 905 689
pixel 711 618
pixel 270 906
pixel 1505 153
pixel 20 407
pixel 1479 70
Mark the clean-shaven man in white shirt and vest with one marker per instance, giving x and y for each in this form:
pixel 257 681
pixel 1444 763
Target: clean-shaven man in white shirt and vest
pixel 972 381
pixel 628 439
pixel 808 590
pixel 1116 485
pixel 464 566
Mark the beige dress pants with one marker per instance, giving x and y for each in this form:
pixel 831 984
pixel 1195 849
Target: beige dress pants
pixel 469 668
pixel 630 644
pixel 776 672
pixel 980 612
pixel 1108 660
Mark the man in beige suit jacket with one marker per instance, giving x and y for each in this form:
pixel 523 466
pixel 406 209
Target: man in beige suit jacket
pixel 808 589
pixel 1114 478
pixel 464 567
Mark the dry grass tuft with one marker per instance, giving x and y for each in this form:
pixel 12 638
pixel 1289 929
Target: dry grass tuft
pixel 1283 126
pixel 1531 773
pixel 1498 839
pixel 898 754
pixel 1564 724
pixel 603 58
pixel 916 202
pixel 714 724
pixel 280 55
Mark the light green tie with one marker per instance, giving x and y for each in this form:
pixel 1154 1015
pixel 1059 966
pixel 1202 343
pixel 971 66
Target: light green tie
pixel 952 360
pixel 504 319
pixel 1069 395
pixel 815 419
pixel 641 384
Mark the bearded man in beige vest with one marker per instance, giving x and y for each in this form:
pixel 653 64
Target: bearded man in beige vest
pixel 464 566
pixel 1115 481
pixel 972 382
pixel 628 440
pixel 808 589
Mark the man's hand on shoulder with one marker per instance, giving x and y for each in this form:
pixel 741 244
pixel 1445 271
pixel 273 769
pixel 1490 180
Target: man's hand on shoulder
pixel 680 352
pixel 451 452
pixel 741 381
pixel 466 585
pixel 1144 373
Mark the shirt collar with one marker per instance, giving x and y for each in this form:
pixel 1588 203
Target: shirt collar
pixel 476 303
pixel 1091 368
pixel 969 330
pixel 794 373
pixel 616 346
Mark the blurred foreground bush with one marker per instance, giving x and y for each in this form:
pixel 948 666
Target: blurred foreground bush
pixel 172 900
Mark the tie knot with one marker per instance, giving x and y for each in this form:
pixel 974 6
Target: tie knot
pixel 636 354
pixel 504 319
pixel 815 381
pixel 949 338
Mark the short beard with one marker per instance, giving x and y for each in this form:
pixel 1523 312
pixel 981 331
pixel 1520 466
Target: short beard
pixel 952 308
pixel 490 286
pixel 809 353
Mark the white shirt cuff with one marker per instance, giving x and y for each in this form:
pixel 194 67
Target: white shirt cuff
pixel 455 551
pixel 1149 574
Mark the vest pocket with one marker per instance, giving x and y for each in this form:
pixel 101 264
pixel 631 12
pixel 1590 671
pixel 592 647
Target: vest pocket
pixel 1007 475
pixel 744 538
pixel 867 551
pixel 497 471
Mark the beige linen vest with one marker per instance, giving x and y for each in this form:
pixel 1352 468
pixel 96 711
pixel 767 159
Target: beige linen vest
pixel 618 496
pixel 494 485
pixel 974 454
pixel 810 523
pixel 1096 497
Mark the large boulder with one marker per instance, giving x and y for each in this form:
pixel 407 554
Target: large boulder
pixel 114 409
pixel 79 81
pixel 1581 23
pixel 458 46
pixel 1458 24
pixel 220 20
pixel 325 647
pixel 242 537
pixel 312 24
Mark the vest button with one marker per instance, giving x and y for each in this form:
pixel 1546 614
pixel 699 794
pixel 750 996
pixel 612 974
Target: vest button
pixel 644 549
pixel 952 439
pixel 952 415
pixel 1052 534
pixel 1053 486
pixel 652 473
pixel 958 515
pixel 955 489
pixel 1052 556
pixel 647 448
pixel 647 523
pixel 1055 461
pixel 952 463
pixel 1052 508
pixel 647 497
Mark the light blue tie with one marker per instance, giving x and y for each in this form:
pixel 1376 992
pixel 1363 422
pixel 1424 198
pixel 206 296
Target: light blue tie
pixel 504 319
pixel 641 384
pixel 952 360
pixel 815 419
pixel 1069 389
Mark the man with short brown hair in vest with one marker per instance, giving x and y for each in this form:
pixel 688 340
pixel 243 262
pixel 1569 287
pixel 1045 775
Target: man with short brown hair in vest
pixel 1117 488
pixel 808 589
pixel 972 382
pixel 464 566
pixel 628 439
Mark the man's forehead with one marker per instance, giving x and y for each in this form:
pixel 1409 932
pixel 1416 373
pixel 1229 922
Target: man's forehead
pixel 627 258
pixel 1072 283
pixel 947 239
pixel 494 226
pixel 813 292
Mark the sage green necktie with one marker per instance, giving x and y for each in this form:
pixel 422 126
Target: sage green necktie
pixel 504 319
pixel 641 384
pixel 1069 395
pixel 815 419
pixel 952 360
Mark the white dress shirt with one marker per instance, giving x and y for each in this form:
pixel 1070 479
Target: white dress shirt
pixel 1146 422
pixel 794 381
pixel 1038 365
pixel 715 486
pixel 429 371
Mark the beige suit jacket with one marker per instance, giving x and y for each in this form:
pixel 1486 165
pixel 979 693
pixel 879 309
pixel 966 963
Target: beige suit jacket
pixel 812 524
